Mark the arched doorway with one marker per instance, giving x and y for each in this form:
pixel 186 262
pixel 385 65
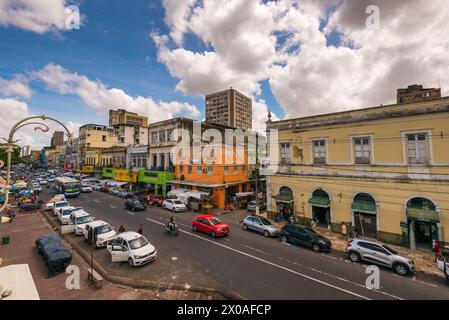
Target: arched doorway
pixel 365 215
pixel 321 212
pixel 423 217
pixel 285 203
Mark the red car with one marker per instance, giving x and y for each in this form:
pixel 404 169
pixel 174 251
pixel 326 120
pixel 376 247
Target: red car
pixel 211 225
pixel 155 200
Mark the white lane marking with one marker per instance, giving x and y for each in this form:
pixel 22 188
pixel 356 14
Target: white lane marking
pixel 97 201
pixel 113 207
pixel 131 213
pixel 255 249
pixel 272 264
pixel 428 284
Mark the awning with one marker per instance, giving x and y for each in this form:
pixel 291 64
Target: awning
pixel 364 207
pixel 193 194
pixel 322 202
pixel 287 198
pixel 423 215
pixel 117 183
pixel 176 192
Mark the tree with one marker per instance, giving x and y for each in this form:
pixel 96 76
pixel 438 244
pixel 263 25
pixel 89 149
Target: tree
pixel 15 157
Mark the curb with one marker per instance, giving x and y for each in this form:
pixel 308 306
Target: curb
pixel 137 283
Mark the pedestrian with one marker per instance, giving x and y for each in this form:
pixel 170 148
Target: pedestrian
pixel 140 229
pixel 11 214
pixel 121 229
pixel 344 231
pixel 438 249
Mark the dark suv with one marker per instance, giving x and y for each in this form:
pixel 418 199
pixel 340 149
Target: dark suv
pixel 134 204
pixel 306 237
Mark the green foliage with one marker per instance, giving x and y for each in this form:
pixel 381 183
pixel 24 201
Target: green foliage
pixel 16 158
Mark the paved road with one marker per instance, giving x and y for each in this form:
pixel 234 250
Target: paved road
pixel 247 263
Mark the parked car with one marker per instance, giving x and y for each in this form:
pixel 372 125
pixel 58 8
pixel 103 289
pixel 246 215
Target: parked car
pixel 96 187
pixel 86 188
pixel 380 254
pixel 59 205
pixel 174 205
pixel 104 188
pixel 51 203
pixel 43 182
pixel 261 225
pixel 209 224
pixel 103 232
pixel 155 200
pixel 65 213
pixel 134 204
pixel 29 206
pixel 122 193
pixel 51 179
pixel 133 248
pixel 113 191
pixel 78 220
pixel 305 236
pixel 252 206
pixel 37 188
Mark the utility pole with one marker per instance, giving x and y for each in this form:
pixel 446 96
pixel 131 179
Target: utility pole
pixel 257 175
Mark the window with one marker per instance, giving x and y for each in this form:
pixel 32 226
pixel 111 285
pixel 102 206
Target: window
pixel 189 169
pixel 245 169
pixel 170 135
pixel 162 136
pixel 104 138
pixel 236 169
pixel 285 152
pixel 155 137
pixel 209 170
pixel 226 169
pixel 199 170
pixel 181 169
pixel 362 150
pixel 319 151
pixel 417 148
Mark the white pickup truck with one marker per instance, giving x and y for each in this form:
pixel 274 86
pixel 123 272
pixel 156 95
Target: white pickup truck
pixel 443 265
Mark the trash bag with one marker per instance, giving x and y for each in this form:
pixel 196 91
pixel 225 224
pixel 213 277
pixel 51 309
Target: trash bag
pixel 57 262
pixel 42 241
pixel 51 248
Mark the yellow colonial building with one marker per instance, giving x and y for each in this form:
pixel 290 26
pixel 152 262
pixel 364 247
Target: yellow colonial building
pixel 382 170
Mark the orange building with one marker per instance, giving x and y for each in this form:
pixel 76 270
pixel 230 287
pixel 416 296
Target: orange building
pixel 220 173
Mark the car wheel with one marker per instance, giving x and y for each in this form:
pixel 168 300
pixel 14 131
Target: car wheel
pixel 130 262
pixel 401 269
pixel 194 228
pixel 266 233
pixel 213 234
pixel 245 227
pixel 163 206
pixel 316 247
pixel 284 239
pixel 354 257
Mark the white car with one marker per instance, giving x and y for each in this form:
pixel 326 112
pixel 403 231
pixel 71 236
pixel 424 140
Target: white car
pixel 65 213
pixel 96 187
pixel 174 205
pixel 86 188
pixel 59 205
pixel 78 220
pixel 43 182
pixel 37 187
pixel 102 230
pixel 50 205
pixel 133 248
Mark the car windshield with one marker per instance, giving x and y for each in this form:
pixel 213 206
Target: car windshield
pixel 265 221
pixel 61 204
pixel 391 250
pixel 84 219
pixel 137 243
pixel 67 212
pixel 103 229
pixel 177 202
pixel 215 221
pixel 311 231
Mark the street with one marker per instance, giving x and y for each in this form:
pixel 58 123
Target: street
pixel 247 263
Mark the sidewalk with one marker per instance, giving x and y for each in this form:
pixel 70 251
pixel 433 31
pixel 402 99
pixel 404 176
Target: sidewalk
pixel 424 260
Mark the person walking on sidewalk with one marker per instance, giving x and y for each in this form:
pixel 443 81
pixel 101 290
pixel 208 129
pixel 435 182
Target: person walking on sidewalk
pixel 344 231
pixel 438 249
pixel 140 231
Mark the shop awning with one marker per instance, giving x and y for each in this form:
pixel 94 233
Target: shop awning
pixel 176 192
pixel 423 215
pixel 195 194
pixel 287 198
pixel 364 207
pixel 322 202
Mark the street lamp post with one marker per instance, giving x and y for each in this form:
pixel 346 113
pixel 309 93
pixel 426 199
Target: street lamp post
pixel 10 146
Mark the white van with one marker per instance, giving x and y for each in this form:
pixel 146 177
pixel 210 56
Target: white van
pixel 103 232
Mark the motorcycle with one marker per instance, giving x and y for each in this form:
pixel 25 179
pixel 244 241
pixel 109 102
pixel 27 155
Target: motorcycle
pixel 173 229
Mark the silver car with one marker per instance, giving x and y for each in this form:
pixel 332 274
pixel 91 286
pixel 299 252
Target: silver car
pixel 377 253
pixel 261 225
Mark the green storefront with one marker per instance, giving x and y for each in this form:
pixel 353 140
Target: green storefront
pixel 108 173
pixel 157 180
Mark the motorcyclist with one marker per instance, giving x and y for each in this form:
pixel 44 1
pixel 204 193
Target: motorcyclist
pixel 171 223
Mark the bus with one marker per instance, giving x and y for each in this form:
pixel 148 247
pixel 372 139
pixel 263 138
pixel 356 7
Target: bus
pixel 68 186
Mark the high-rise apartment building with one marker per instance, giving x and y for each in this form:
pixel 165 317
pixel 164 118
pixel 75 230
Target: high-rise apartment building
pixel 417 93
pixel 57 139
pixel 123 117
pixel 229 108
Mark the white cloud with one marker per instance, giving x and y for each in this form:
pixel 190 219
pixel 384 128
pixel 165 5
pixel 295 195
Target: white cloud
pixel 101 99
pixel 15 87
pixel 284 41
pixel 39 16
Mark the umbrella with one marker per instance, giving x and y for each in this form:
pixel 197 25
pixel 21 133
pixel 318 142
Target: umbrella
pixel 20 185
pixel 25 192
